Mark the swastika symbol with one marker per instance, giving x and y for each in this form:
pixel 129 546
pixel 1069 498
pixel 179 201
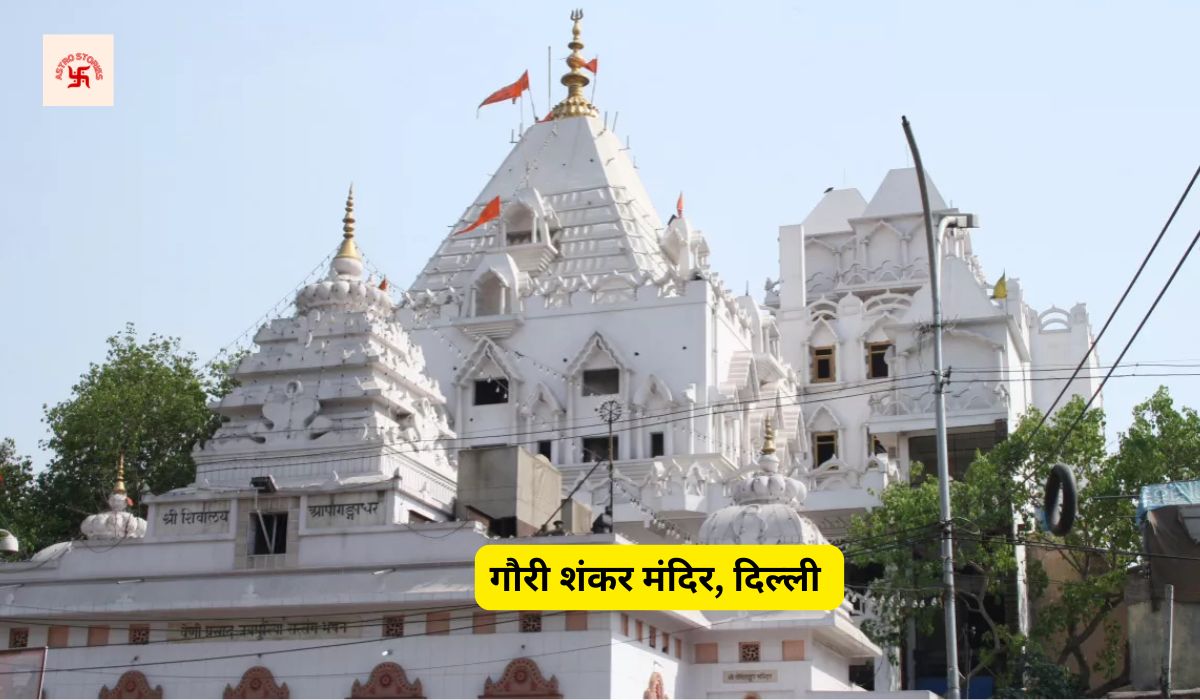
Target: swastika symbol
pixel 79 77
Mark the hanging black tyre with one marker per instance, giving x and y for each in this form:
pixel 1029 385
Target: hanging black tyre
pixel 1061 500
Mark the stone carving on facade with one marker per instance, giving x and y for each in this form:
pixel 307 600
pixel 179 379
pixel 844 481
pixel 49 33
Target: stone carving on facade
pixel 258 683
pixel 521 679
pixel 132 685
pixel 654 688
pixel 387 680
pixel 975 395
pixel 288 414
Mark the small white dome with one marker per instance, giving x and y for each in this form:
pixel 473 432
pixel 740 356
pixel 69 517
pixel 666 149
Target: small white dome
pixel 113 526
pixel 760 523
pixel 764 509
pixel 117 523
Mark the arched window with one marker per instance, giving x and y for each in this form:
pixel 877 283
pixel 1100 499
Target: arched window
pixel 518 225
pixel 491 295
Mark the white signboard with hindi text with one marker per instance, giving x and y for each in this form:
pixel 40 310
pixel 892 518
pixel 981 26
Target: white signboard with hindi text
pixel 194 518
pixel 337 510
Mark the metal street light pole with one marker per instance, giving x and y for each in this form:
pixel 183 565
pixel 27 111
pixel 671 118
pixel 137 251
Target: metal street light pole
pixel 933 243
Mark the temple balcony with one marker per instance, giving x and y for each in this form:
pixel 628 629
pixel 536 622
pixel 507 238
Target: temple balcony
pixel 494 327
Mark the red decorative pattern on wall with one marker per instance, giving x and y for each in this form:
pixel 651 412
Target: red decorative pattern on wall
pixel 522 679
pixel 258 683
pixel 654 689
pixel 131 684
pixel 387 680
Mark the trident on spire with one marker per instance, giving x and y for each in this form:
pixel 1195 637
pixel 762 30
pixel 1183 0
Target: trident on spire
pixel 575 105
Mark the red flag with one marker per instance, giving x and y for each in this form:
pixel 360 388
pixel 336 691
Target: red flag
pixel 509 91
pixel 679 205
pixel 593 65
pixel 491 211
pixel 547 117
pixel 383 285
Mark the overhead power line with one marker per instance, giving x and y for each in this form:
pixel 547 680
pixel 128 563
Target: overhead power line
pixel 1124 295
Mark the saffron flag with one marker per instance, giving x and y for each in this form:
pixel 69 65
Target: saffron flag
pixel 509 91
pixel 679 205
pixel 593 65
pixel 1000 291
pixel 548 116
pixel 383 285
pixel 490 211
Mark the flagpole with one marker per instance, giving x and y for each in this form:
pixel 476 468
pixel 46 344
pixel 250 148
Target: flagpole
pixel 549 79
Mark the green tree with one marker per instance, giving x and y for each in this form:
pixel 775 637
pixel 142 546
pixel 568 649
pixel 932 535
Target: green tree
pixel 902 535
pixel 147 400
pixel 17 510
pixel 1162 444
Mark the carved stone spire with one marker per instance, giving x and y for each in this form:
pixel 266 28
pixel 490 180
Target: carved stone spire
pixel 575 105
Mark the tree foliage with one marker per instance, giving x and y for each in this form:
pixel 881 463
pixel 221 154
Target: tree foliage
pixel 1162 444
pixel 147 400
pixel 903 535
pixel 16 488
pixel 1092 562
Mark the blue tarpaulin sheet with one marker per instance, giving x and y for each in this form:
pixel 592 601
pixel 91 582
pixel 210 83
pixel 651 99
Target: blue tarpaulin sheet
pixel 1172 493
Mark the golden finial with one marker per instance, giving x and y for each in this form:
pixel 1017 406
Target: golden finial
pixel 575 105
pixel 768 438
pixel 348 249
pixel 120 487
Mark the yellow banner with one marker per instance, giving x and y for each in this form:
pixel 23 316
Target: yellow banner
pixel 659 577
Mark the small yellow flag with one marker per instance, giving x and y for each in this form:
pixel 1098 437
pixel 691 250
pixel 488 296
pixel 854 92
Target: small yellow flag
pixel 1000 291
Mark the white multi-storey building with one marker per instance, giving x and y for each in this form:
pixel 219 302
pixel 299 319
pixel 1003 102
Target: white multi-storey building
pixel 325 549
pixel 854 313
pixel 318 552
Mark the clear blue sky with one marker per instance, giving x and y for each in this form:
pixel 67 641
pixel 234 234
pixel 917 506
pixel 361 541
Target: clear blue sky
pixel 217 181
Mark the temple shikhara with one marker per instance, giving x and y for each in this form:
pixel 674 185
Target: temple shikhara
pixel 378 437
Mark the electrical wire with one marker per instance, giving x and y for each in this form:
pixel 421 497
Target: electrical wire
pixel 1142 324
pixel 1112 314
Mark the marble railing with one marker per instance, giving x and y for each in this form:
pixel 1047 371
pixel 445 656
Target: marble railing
pixel 875 474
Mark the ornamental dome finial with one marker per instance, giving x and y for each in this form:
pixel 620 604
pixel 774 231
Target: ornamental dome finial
pixel 349 249
pixel 348 262
pixel 120 487
pixel 575 105
pixel 768 438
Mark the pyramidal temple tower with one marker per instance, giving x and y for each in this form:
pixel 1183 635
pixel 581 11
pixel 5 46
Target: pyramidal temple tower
pixel 340 373
pixel 577 294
